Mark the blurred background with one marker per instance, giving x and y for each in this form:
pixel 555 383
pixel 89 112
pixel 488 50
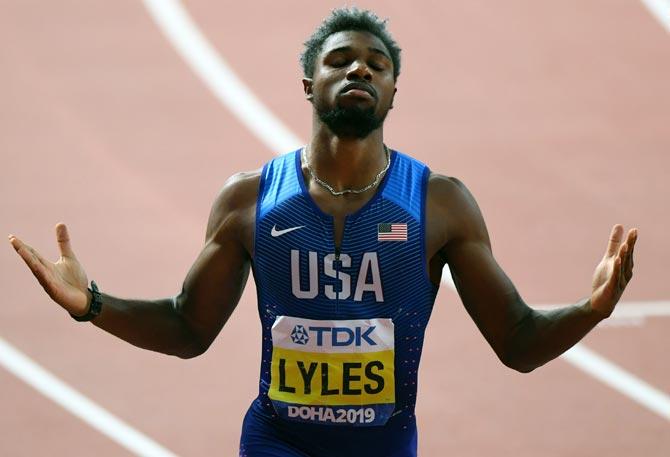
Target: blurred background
pixel 123 120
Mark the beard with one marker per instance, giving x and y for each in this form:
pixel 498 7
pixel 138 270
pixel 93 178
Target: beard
pixel 351 122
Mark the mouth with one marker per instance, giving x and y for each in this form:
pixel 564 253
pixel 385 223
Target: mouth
pixel 359 89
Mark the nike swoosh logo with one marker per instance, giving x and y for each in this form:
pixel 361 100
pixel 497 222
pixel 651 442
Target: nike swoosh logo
pixel 274 232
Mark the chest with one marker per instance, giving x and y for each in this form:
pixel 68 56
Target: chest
pixel 300 257
pixel 338 208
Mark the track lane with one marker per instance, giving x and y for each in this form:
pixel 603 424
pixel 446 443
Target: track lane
pixel 28 417
pixel 137 284
pixel 131 151
pixel 585 123
pixel 470 405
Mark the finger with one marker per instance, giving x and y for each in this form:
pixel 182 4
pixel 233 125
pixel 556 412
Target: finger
pixel 38 256
pixel 63 238
pixel 622 260
pixel 615 240
pixel 614 282
pixel 31 258
pixel 632 237
pixel 25 250
pixel 628 266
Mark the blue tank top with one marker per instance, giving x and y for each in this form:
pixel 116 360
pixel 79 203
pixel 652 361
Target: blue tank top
pixel 342 331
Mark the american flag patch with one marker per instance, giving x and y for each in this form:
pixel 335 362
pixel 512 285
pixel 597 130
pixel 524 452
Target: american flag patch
pixel 392 232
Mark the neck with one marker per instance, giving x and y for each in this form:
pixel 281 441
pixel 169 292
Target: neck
pixel 346 163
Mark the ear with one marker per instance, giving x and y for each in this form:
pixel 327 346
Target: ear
pixel 307 88
pixel 395 89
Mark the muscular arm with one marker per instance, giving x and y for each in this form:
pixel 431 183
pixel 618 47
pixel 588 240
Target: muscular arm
pixel 187 324
pixel 523 338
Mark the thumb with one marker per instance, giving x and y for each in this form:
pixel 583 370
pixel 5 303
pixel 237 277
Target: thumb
pixel 63 238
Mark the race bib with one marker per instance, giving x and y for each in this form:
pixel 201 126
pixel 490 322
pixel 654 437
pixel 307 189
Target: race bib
pixel 333 372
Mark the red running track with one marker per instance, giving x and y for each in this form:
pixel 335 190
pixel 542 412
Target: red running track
pixel 554 114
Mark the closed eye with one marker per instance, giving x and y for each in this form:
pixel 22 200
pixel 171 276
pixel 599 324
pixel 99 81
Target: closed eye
pixel 338 63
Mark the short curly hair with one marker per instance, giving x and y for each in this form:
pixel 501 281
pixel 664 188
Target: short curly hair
pixel 344 19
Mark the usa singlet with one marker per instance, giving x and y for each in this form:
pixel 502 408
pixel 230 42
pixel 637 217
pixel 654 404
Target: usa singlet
pixel 342 329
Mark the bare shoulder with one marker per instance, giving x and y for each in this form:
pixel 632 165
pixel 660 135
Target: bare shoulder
pixel 233 210
pixel 448 196
pixel 451 212
pixel 441 187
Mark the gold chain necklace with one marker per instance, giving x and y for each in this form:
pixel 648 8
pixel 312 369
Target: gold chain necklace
pixel 338 193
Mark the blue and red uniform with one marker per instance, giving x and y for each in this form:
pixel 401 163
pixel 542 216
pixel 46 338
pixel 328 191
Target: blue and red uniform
pixel 342 329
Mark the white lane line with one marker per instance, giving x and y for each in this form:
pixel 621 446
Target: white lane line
pixel 624 310
pixel 97 417
pixel 203 59
pixel 606 371
pixel 643 309
pixel 619 379
pixel 631 309
pixel 180 30
pixel 661 10
pixel 185 36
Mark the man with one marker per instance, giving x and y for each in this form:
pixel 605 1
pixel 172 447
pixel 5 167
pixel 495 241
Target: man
pixel 347 240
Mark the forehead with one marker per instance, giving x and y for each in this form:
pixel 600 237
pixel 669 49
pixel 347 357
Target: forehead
pixel 353 39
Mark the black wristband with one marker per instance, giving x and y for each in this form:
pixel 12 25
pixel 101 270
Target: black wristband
pixel 96 305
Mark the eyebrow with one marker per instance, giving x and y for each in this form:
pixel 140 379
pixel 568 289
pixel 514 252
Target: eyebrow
pixel 349 48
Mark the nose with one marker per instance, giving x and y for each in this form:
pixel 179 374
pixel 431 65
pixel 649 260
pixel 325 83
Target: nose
pixel 359 70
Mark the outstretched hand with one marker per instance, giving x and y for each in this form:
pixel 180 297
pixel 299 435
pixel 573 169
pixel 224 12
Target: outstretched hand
pixel 614 271
pixel 64 281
